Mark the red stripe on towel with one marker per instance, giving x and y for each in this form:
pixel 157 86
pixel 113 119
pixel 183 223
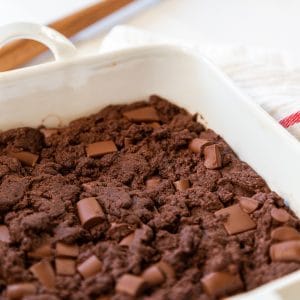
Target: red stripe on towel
pixel 290 120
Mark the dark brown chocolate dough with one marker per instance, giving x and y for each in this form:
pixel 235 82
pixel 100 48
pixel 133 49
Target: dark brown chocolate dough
pixel 137 201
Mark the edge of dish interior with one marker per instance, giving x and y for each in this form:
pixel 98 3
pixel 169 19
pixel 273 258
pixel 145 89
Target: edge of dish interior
pixel 56 93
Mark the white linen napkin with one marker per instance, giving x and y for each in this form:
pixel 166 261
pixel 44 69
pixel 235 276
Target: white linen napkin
pixel 266 76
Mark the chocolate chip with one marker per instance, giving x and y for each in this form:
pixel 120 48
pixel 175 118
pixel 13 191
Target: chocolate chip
pixel 43 251
pixel 152 182
pixel 90 267
pixel 285 233
pixel 130 284
pixel 90 212
pixel 153 276
pixel 212 157
pixel 237 220
pixel 218 284
pixel 65 266
pixel 167 269
pixel 144 114
pixel 44 272
pixel 197 145
pixel 127 240
pixel 66 250
pixel 100 148
pixel 182 184
pixel 286 251
pixel 26 158
pixel 4 234
pixel 280 215
pixel 248 205
pixel 19 290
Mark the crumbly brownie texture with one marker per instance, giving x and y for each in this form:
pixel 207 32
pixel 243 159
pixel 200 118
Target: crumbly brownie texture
pixel 137 201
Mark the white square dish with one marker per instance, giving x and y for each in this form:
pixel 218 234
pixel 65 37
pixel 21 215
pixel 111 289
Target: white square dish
pixel 54 94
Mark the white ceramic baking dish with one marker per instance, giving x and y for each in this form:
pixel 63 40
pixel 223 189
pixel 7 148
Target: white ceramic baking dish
pixel 55 93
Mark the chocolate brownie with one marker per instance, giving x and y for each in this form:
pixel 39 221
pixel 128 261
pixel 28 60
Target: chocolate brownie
pixel 137 201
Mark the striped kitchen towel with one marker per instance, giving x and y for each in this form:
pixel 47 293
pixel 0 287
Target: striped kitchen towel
pixel 266 76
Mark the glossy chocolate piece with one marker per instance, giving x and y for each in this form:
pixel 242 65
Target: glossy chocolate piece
pixel 153 276
pixel 25 157
pixel 90 266
pixel 90 212
pixel 127 240
pixel 166 269
pixel 218 284
pixel 66 250
pixel 19 290
pixel 285 233
pixel 100 148
pixel 42 251
pixel 248 205
pixel 237 220
pixel 130 284
pixel 280 215
pixel 181 185
pixel 285 251
pixel 197 145
pixel 44 272
pixel 144 114
pixel 65 266
pixel 212 157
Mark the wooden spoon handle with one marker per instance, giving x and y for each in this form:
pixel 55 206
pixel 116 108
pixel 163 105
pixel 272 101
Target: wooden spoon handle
pixel 18 53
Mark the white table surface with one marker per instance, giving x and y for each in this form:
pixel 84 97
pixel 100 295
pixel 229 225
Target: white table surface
pixel 264 23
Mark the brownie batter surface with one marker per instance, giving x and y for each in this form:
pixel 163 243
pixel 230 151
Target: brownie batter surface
pixel 138 201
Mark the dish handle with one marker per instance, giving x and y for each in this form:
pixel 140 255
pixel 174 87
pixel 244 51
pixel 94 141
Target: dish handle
pixel 60 46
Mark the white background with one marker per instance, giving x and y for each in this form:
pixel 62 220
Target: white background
pixel 264 23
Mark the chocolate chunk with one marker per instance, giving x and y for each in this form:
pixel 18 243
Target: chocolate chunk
pixel 90 212
pixel 280 215
pixel 144 114
pixel 130 284
pixel 286 251
pixel 43 251
pixel 134 187
pixel 218 284
pixel 212 157
pixel 237 220
pixel 197 145
pixel 66 250
pixel 152 182
pixel 248 205
pixel 117 231
pixel 182 184
pixel 26 158
pixel 19 290
pixel 153 276
pixel 100 148
pixel 90 267
pixel 155 125
pixel 65 266
pixel 4 234
pixel 127 240
pixel 44 272
pixel 285 233
pixel 167 269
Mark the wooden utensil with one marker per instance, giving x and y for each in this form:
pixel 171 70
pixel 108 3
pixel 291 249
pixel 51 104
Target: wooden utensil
pixel 18 53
